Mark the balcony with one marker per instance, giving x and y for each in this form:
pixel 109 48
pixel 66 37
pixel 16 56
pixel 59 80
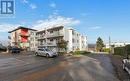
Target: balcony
pixel 55 35
pixel 48 44
pixel 24 34
pixel 40 37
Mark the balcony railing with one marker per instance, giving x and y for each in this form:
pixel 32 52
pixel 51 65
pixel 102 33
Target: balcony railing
pixel 24 34
pixel 41 37
pixel 54 35
pixel 48 44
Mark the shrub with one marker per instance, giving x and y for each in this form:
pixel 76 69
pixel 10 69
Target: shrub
pixel 119 51
pixel 80 52
pixel 123 51
pixel 61 53
pixel 106 50
pixel 127 48
pixel 71 52
pixel 127 51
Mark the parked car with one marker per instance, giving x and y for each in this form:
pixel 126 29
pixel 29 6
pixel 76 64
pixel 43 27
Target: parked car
pixel 45 52
pixel 15 50
pixel 2 48
pixel 126 65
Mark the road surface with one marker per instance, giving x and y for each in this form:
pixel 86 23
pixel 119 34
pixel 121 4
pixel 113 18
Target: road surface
pixel 28 67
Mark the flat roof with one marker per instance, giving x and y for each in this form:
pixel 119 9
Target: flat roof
pixel 53 28
pixel 21 27
pixel 40 31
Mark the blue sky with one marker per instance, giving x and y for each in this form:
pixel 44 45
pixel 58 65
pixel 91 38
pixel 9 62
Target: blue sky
pixel 92 18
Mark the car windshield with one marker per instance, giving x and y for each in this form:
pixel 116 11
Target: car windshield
pixel 47 50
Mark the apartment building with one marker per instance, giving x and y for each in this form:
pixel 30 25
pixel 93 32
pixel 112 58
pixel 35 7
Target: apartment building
pixel 23 37
pixel 116 44
pixel 49 38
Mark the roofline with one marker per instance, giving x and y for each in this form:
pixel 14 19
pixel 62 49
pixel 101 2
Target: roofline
pixel 21 27
pixel 55 27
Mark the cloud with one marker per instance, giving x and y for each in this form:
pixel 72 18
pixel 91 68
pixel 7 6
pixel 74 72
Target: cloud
pixel 83 14
pixel 55 12
pixel 25 1
pixel 52 4
pixel 54 21
pixel 33 6
pixel 95 28
pixel 7 27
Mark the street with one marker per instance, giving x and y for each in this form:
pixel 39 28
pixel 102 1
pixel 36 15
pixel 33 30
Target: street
pixel 28 67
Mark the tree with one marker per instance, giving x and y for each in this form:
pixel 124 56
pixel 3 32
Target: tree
pixel 99 44
pixel 62 44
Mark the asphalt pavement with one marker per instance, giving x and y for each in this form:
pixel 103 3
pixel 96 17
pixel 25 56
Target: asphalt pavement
pixel 28 67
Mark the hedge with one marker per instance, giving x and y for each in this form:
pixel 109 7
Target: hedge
pixel 123 51
pixel 80 52
pixel 119 51
pixel 106 50
pixel 127 48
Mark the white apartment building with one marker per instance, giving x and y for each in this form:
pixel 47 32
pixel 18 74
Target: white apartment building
pixel 116 44
pixel 50 36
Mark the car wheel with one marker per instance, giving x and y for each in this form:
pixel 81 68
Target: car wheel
pixel 47 55
pixel 36 53
pixel 123 66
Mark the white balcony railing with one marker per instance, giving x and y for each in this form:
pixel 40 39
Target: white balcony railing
pixel 41 37
pixel 48 44
pixel 55 35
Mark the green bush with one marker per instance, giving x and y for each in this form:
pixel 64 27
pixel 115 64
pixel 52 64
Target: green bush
pixel 61 53
pixel 123 51
pixel 127 48
pixel 119 51
pixel 106 50
pixel 71 52
pixel 80 52
pixel 127 52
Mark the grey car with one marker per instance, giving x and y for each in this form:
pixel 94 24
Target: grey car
pixel 126 65
pixel 45 52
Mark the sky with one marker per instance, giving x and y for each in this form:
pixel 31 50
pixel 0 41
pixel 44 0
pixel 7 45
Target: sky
pixel 93 18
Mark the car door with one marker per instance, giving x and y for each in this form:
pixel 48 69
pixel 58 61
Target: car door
pixel 128 64
pixel 43 52
pixel 39 51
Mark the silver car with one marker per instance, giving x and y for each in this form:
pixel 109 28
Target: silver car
pixel 45 52
pixel 126 65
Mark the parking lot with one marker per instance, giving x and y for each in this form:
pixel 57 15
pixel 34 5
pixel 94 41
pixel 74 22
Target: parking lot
pixel 28 67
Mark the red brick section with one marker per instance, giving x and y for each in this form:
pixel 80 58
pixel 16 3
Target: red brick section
pixel 117 63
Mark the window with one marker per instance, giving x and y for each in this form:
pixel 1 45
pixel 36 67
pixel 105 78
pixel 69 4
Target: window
pixel 73 40
pixel 72 32
pixel 51 39
pixel 51 31
pixel 73 47
pixel 77 41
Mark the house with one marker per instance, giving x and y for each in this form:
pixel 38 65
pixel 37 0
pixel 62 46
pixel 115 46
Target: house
pixel 49 38
pixel 23 37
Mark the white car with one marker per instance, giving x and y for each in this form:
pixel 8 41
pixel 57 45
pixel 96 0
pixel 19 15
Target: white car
pixel 45 52
pixel 126 65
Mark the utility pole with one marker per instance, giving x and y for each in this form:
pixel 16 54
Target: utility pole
pixel 109 44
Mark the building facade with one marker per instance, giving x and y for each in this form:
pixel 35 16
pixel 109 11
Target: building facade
pixel 49 38
pixel 23 37
pixel 116 44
